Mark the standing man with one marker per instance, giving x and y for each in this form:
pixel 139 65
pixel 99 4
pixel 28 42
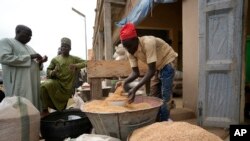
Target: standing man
pixel 62 74
pixel 157 54
pixel 21 66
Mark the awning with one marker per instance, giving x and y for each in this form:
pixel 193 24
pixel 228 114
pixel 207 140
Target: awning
pixel 140 11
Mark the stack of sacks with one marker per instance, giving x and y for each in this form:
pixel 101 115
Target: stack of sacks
pixel 120 53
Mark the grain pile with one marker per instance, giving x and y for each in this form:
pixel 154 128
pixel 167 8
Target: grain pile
pixel 172 131
pixel 103 106
pixel 117 95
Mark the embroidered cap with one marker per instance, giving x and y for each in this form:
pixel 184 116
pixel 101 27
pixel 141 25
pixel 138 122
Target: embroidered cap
pixel 66 41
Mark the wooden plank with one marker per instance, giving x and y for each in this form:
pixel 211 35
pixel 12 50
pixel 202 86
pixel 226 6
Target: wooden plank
pixel 112 69
pixel 118 2
pixel 96 88
pixel 98 18
pixel 100 46
pixel 96 83
pixel 107 31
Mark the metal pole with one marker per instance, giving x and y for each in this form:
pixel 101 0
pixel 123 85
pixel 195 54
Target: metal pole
pixel 81 14
pixel 86 39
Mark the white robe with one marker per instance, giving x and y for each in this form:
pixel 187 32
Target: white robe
pixel 21 74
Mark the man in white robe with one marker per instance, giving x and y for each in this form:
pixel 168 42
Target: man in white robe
pixel 21 66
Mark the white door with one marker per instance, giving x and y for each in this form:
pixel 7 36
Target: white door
pixel 220 44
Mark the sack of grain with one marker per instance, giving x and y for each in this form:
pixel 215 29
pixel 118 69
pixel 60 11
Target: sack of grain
pixel 120 53
pixel 19 120
pixel 172 131
pixel 121 57
pixel 120 50
pixel 115 55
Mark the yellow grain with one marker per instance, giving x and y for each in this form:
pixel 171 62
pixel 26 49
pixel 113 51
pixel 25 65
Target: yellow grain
pixel 103 106
pixel 172 131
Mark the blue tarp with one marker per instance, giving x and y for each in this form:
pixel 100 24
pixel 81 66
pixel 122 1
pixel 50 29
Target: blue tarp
pixel 140 11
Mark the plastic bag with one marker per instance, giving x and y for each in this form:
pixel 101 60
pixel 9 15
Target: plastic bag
pixel 93 137
pixel 75 102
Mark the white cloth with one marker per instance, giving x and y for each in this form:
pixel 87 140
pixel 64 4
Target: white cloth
pixel 21 74
pixel 93 137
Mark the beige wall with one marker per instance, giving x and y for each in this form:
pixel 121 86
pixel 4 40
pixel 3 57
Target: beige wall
pixel 190 53
pixel 165 17
pixel 168 17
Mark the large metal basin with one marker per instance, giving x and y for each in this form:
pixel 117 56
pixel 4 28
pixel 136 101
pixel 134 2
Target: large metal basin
pixel 120 125
pixel 68 123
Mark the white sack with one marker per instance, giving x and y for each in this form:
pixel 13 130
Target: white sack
pixel 19 120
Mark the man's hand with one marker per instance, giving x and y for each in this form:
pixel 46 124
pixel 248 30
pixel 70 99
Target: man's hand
pixel 131 95
pixel 54 71
pixel 36 56
pixel 45 58
pixel 118 84
pixel 126 87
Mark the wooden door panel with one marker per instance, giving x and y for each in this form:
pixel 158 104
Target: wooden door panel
pixel 219 62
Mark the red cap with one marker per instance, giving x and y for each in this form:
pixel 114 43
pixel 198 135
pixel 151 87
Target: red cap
pixel 128 31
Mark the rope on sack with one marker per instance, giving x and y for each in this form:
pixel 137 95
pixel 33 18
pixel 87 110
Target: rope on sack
pixel 25 129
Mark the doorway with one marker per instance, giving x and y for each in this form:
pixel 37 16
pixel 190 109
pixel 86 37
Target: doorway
pixel 167 26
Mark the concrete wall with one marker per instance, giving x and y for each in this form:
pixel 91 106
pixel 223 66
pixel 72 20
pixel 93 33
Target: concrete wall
pixel 190 53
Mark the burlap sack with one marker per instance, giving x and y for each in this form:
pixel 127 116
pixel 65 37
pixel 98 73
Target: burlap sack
pixel 19 120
